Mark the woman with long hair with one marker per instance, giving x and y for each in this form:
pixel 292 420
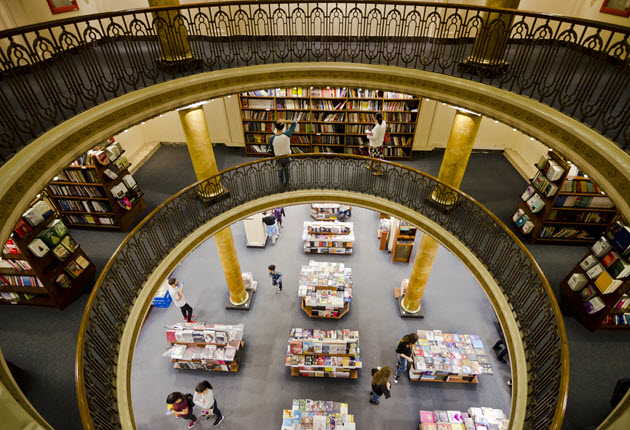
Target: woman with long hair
pixel 405 353
pixel 380 383
pixel 376 136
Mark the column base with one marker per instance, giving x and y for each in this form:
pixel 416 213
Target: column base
pixel 178 66
pixel 245 306
pixel 444 207
pixel 403 313
pixel 213 197
pixel 485 70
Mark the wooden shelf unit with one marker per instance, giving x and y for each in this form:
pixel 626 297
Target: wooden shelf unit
pixel 47 269
pixel 120 218
pixel 317 276
pixel 324 211
pixel 597 320
pixel 328 242
pixel 323 370
pixel 404 238
pixel 344 133
pixel 552 220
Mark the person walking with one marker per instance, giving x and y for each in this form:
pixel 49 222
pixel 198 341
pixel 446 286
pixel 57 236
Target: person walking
pixel 175 290
pixel 501 350
pixel 280 144
pixel 405 353
pixel 380 384
pixel 182 406
pixel 279 213
pixel 376 136
pixel 276 278
pixel 344 212
pixel 272 226
pixel 204 397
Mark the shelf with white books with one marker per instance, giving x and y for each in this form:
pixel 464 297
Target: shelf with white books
pixel 201 346
pixel 562 206
pixel 597 287
pixel 323 353
pixel 325 289
pixel 326 237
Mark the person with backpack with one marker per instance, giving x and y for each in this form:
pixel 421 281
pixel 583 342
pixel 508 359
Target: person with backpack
pixel 182 405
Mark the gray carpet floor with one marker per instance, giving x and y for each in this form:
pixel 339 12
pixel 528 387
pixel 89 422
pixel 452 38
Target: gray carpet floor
pixel 43 341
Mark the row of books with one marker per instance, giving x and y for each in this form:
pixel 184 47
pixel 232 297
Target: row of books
pixel 549 168
pixel 293 116
pixel 258 126
pixel 13 297
pixel 10 247
pixel 21 280
pixel 89 219
pixel 292 104
pixel 209 354
pixel 617 320
pixel 357 151
pixel 371 105
pixel 327 140
pixel 395 152
pixel 544 185
pixel 476 418
pixel 307 414
pixel 323 346
pixel 461 354
pixel 199 332
pixel 331 362
pixel 330 117
pixel 339 249
pixel 323 227
pixel 325 274
pixel 15 264
pixel 622 305
pixel 324 211
pixel 297 150
pixel 585 216
pixel 327 299
pixel 571 186
pixel 84 205
pixel 264 115
pixel 395 106
pixel 602 202
pixel 74 269
pixel 322 335
pixel 551 232
pixel 328 105
pixel 73 190
pixel 361 93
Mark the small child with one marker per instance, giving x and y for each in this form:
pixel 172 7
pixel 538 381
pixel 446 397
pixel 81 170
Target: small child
pixel 276 278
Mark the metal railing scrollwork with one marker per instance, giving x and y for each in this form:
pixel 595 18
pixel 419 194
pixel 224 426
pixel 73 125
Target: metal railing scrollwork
pixel 52 71
pixel 509 262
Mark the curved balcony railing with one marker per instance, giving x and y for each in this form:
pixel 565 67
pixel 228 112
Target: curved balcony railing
pixel 503 255
pixel 52 71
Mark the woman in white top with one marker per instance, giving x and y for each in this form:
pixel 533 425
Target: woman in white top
pixel 376 137
pixel 204 398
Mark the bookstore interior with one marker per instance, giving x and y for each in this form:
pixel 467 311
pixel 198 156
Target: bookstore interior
pixel 42 265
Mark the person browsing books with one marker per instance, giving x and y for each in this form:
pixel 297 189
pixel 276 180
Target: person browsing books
pixel 175 290
pixel 271 224
pixel 405 353
pixel 376 136
pixel 380 383
pixel 344 212
pixel 182 407
pixel 204 397
pixel 280 144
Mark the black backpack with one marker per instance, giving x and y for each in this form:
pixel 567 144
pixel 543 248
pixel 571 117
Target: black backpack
pixel 189 399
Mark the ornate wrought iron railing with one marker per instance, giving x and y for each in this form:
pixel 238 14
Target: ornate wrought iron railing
pixel 509 262
pixel 52 71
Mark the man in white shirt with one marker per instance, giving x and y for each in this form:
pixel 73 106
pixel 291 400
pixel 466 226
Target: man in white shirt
pixel 175 290
pixel 280 144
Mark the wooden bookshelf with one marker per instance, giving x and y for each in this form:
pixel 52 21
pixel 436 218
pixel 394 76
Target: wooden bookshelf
pixel 325 237
pixel 329 119
pixel 616 303
pixel 577 223
pixel 340 356
pixel 45 270
pixel 404 238
pixel 84 183
pixel 193 359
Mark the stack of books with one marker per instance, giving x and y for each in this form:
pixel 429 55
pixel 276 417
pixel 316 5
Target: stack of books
pixel 476 418
pixel 307 414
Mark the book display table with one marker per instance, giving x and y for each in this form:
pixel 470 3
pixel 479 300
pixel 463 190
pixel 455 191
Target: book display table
pixel 214 347
pixel 323 353
pixel 328 237
pixel 326 289
pixel 481 418
pixel 324 211
pixel 307 414
pixel 445 357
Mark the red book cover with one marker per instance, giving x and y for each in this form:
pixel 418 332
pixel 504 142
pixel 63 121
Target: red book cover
pixel 321 360
pixel 170 336
pixel 12 247
pixel 610 258
pixel 22 228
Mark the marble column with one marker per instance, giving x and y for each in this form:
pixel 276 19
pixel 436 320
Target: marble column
pixel 171 32
pixel 491 42
pixel 195 127
pixel 458 149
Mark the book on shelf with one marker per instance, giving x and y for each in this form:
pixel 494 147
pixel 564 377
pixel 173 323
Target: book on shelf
pixel 588 292
pixel 606 284
pixel 22 228
pixel 577 282
pixel 38 248
pixel 601 247
pixel 595 271
pixel 620 269
pixel 594 305
pixel 528 193
pixel 535 203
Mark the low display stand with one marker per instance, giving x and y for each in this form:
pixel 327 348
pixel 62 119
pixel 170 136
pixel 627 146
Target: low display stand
pixel 475 418
pixel 326 289
pixel 323 353
pixel 213 347
pixel 328 237
pixel 324 211
pixel 307 414
pixel 466 358
pixel 250 286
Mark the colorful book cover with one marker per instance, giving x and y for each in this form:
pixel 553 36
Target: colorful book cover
pixel 427 417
